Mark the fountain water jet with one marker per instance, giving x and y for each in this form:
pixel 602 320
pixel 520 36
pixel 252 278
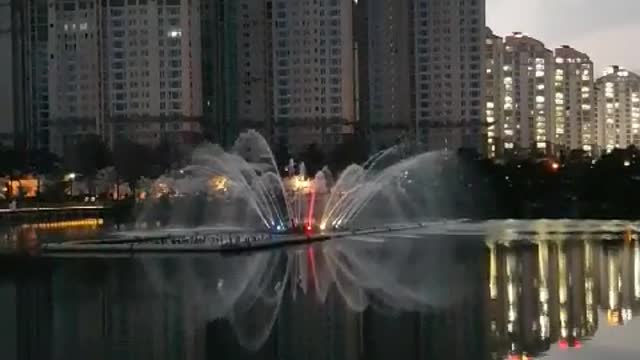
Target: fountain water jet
pixel 224 185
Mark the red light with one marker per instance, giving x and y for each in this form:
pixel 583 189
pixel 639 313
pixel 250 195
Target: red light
pixel 563 344
pixel 578 344
pixel 309 227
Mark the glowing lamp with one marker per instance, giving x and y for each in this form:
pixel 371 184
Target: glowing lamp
pixel 577 344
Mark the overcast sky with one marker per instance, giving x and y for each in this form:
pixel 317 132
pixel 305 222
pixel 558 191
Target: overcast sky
pixel 607 30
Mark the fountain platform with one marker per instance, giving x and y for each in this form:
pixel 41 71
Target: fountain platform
pixel 204 242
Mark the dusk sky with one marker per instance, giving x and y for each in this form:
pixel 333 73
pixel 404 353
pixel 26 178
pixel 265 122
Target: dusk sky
pixel 607 30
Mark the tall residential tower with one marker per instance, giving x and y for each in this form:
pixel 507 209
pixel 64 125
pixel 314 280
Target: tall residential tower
pixel 494 94
pixel 618 108
pixel 528 97
pixel 153 77
pixel 449 66
pixel 313 73
pixel 574 101
pixel 391 72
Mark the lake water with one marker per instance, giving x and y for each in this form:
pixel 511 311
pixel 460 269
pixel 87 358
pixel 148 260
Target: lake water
pixel 512 290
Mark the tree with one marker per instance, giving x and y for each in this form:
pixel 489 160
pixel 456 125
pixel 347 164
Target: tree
pixel 352 151
pixel 282 155
pixel 87 156
pixel 44 162
pixel 313 158
pixel 169 154
pixel 132 161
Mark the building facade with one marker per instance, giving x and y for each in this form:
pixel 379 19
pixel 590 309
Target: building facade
pixel 618 109
pixel 36 127
pixel 449 66
pixel 391 71
pixel 152 70
pixel 12 97
pixel 574 101
pixel 528 77
pixel 118 69
pixel 313 72
pixel 74 72
pixel 494 94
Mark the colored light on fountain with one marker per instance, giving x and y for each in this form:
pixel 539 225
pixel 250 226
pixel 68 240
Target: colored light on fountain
pixel 563 344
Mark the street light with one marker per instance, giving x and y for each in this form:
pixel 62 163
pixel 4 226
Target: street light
pixel 71 177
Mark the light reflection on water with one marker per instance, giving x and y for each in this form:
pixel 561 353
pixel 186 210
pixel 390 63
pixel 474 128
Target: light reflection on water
pixel 553 294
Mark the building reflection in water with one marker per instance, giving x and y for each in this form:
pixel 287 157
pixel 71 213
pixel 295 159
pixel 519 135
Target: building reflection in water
pixel 440 299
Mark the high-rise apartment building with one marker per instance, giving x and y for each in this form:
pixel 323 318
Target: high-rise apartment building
pixel 13 16
pixel 494 94
pixel 528 78
pixel 152 72
pixel 237 68
pixel 74 72
pixel 449 65
pixel 252 94
pixel 313 73
pixel 618 108
pixel 116 68
pixel 391 72
pixel 574 101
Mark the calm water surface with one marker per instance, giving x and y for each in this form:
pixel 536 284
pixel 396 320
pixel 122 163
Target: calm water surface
pixel 493 295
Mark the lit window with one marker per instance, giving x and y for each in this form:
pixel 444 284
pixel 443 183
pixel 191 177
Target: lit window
pixel 175 33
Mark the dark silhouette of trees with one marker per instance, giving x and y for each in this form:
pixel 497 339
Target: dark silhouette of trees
pixel 314 158
pixel 354 150
pixel 132 161
pixel 282 155
pixel 170 154
pixel 20 161
pixel 87 157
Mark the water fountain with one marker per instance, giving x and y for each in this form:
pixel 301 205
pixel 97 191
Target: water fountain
pixel 243 188
pixel 222 199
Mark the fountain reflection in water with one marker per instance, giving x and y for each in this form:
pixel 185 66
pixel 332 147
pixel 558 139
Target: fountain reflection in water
pixel 243 188
pixel 248 291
